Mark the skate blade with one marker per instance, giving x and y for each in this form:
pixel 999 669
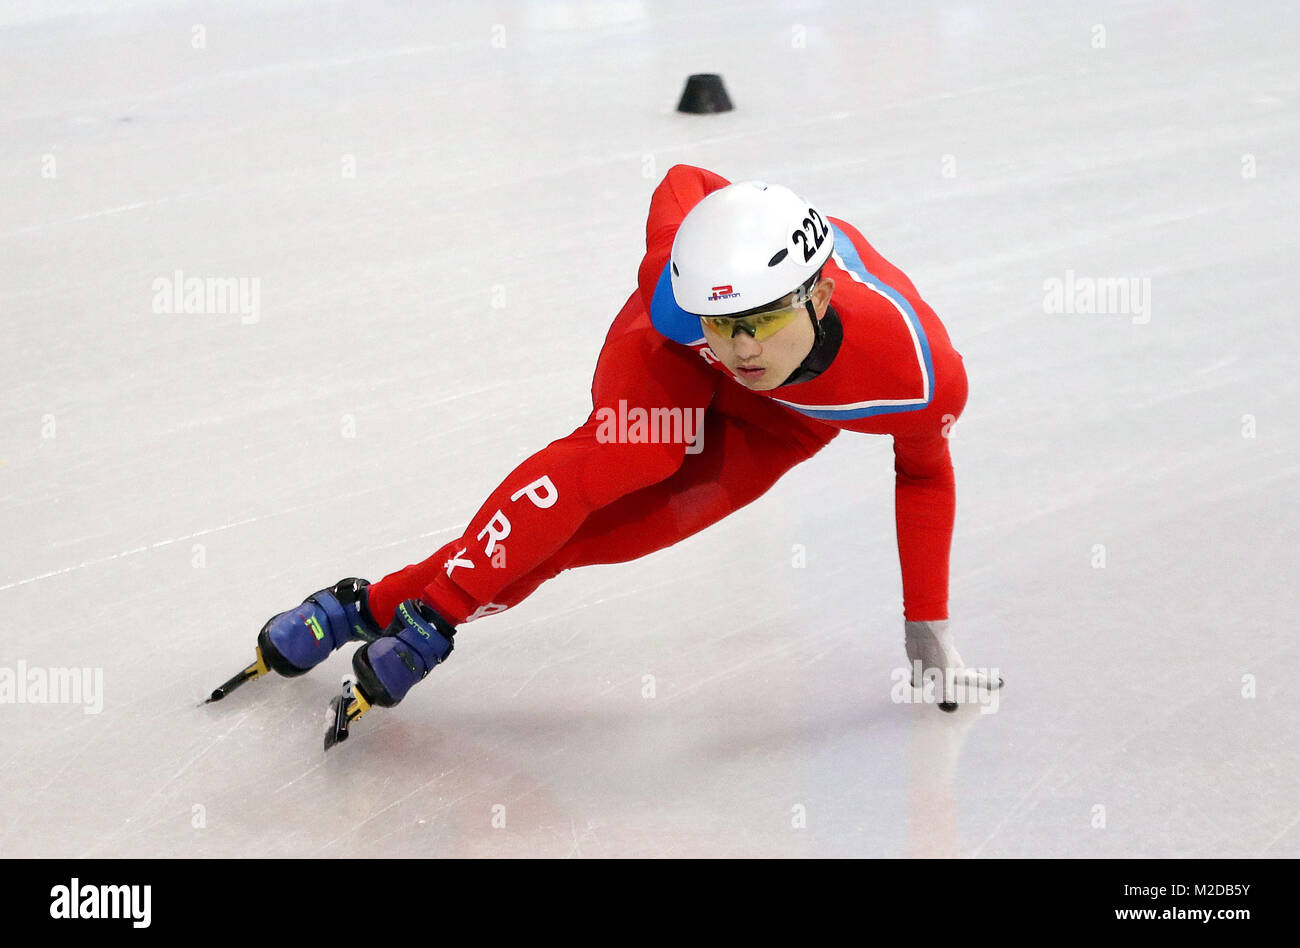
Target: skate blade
pixel 255 670
pixel 344 709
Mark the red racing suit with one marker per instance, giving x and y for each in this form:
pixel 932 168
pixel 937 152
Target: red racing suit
pixel 637 477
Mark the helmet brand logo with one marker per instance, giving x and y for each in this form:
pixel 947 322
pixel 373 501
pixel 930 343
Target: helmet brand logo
pixel 723 293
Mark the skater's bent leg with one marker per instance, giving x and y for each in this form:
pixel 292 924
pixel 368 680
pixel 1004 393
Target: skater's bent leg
pixel 544 501
pixel 744 453
pixel 524 521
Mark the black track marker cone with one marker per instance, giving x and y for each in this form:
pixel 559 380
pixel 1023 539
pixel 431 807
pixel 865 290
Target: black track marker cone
pixel 704 93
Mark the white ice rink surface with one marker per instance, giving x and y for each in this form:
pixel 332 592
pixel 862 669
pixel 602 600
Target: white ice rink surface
pixel 167 482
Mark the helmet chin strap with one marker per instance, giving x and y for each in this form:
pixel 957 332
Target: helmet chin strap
pixel 818 331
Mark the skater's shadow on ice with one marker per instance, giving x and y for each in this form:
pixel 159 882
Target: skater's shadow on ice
pixel 874 724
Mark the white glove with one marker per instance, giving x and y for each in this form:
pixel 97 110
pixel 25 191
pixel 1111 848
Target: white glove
pixel 929 646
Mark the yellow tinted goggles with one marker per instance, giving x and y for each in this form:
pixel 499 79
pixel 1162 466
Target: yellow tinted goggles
pixel 760 326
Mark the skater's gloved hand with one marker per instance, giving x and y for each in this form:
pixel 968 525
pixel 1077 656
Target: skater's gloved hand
pixel 930 651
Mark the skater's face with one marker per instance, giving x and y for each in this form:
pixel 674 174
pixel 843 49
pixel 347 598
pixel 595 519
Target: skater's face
pixel 762 364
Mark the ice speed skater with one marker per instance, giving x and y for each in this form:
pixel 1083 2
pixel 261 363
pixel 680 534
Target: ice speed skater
pixel 760 329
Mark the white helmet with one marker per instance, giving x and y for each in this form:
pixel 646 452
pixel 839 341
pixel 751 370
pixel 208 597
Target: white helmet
pixel 747 245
